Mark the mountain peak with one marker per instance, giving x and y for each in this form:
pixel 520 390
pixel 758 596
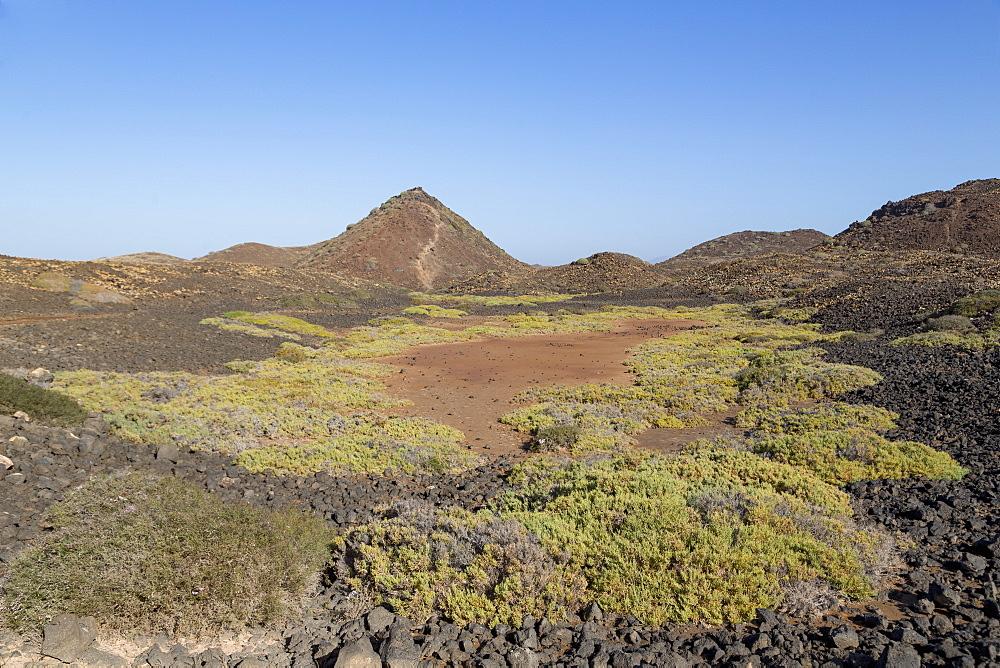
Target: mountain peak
pixel 414 241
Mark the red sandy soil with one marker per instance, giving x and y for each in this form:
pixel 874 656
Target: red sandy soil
pixel 469 385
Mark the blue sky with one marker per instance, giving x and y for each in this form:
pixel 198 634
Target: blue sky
pixel 558 128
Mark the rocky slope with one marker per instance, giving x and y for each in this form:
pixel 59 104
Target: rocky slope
pixel 965 219
pixel 260 254
pixel 144 258
pixel 601 272
pixel 412 240
pixel 741 245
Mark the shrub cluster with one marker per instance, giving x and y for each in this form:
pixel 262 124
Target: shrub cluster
pixel 149 554
pixel 43 405
pixel 470 566
pixel 969 323
pixel 709 535
pixel 434 311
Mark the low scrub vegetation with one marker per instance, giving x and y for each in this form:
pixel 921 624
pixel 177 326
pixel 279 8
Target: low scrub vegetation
pixel 709 535
pixel 435 311
pixel 47 406
pixel 468 566
pixel 149 554
pixel 840 457
pixel 969 323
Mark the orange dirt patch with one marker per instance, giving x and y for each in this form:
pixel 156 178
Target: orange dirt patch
pixel 469 385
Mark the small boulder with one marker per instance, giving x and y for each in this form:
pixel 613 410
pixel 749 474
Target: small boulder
pixel 521 657
pixel 41 377
pixel 358 654
pixel 379 619
pixel 943 595
pixel 844 637
pixel 899 655
pixel 68 637
pixel 167 452
pixel 6 462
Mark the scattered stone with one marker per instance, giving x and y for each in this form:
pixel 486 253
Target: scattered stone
pixel 68 637
pixel 358 654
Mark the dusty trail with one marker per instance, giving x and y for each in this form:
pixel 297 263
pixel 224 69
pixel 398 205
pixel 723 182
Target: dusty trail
pixel 44 318
pixel 469 385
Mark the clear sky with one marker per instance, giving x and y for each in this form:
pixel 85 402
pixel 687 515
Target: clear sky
pixel 558 128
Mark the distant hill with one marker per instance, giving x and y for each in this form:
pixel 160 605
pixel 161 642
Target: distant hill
pixel 144 258
pixel 741 245
pixel 601 272
pixel 965 219
pixel 413 241
pixel 260 254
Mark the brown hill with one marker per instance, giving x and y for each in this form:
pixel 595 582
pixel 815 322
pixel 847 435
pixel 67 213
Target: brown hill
pixel 965 219
pixel 261 255
pixel 144 258
pixel 741 245
pixel 601 272
pixel 414 241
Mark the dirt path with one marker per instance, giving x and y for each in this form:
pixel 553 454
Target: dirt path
pixel 44 318
pixel 470 385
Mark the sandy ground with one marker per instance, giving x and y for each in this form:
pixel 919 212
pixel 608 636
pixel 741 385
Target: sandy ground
pixel 469 385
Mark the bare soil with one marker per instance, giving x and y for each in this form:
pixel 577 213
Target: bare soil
pixel 469 385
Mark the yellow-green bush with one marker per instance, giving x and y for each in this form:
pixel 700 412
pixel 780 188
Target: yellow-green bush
pixel 828 416
pixel 279 322
pixel 840 457
pixel 152 555
pixel 434 311
pixel 228 325
pixel 709 535
pixel 366 443
pixel 967 340
pixel 471 567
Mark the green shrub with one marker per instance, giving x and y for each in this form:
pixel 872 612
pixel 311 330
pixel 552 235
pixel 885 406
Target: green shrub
pixel 470 567
pixel 840 457
pixel 976 304
pixel 870 335
pixel 48 406
pixel 434 311
pixel 949 323
pixel 554 438
pixel 828 416
pixel 710 535
pixel 964 339
pixel 147 554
